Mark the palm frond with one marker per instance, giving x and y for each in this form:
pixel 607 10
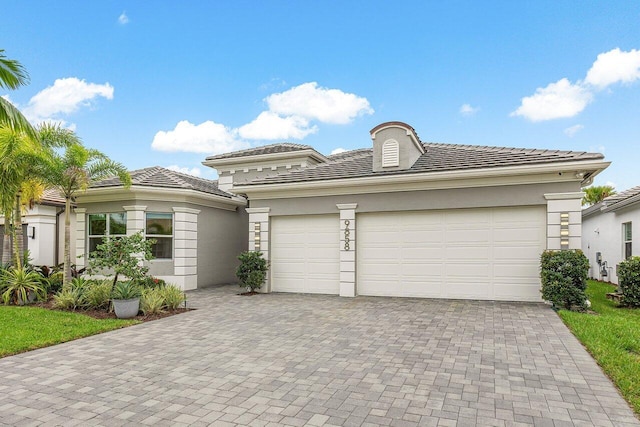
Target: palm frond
pixel 12 73
pixel 12 118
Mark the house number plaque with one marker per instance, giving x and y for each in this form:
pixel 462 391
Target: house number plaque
pixel 346 234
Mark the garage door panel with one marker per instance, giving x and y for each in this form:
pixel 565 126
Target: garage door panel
pixel 305 254
pixel 490 253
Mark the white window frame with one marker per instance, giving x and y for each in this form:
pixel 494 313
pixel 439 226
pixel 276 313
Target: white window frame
pixel 626 241
pixel 162 236
pixel 107 229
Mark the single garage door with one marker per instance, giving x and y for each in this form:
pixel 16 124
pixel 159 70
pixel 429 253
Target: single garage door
pixel 305 254
pixel 489 254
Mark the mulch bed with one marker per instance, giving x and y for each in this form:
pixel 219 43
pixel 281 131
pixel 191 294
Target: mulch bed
pixel 105 314
pixel 248 294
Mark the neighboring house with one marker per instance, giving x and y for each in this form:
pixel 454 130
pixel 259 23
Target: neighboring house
pixel 43 230
pixel 608 235
pixel 199 229
pixel 407 218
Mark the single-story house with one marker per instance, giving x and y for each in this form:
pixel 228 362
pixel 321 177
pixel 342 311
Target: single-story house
pixel 407 218
pixel 608 235
pixel 199 229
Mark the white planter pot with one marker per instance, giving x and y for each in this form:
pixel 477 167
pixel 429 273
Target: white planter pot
pixel 126 308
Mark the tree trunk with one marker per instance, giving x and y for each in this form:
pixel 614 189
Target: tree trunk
pixel 18 237
pixel 66 278
pixel 6 239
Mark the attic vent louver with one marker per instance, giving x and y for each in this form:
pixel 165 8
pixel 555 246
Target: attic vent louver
pixel 390 153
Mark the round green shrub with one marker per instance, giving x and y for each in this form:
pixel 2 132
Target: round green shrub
pixel 629 281
pixel 564 278
pixel 252 271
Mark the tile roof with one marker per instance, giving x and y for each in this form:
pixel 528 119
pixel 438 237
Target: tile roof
pixel 157 176
pixel 437 158
pixel 284 147
pixel 621 197
pixel 52 196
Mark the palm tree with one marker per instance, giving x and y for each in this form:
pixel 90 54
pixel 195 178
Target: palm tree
pixel 12 76
pixel 72 172
pixel 20 160
pixel 596 194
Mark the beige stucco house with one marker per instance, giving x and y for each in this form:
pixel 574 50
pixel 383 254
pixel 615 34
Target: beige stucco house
pixel 407 218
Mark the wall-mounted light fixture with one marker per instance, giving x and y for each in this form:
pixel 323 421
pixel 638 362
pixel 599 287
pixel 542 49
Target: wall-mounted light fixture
pixel 564 230
pixel 31 232
pixel 256 236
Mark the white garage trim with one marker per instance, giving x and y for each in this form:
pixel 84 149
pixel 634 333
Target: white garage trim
pixel 488 254
pixel 305 254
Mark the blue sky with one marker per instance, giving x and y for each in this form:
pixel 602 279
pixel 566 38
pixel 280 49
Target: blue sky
pixel 168 83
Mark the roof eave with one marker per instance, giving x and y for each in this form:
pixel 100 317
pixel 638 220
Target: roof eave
pixel 230 161
pixel 581 168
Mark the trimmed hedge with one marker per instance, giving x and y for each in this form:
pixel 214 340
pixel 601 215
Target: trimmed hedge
pixel 564 278
pixel 252 271
pixel 629 281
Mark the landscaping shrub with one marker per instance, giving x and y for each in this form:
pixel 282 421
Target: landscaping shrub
pixel 564 278
pixel 21 286
pixel 126 290
pixel 69 299
pixel 54 282
pixel 252 271
pixel 151 282
pixel 173 296
pixel 629 281
pixel 151 301
pixel 97 295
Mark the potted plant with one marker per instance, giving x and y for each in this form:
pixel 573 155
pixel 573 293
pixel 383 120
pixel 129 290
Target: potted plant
pixel 126 299
pixel 21 286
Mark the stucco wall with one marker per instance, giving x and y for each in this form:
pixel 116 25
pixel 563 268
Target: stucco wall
pixel 516 195
pixel 409 153
pixel 222 235
pixel 602 232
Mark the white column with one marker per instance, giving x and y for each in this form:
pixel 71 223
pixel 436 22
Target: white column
pixel 135 218
pixel 185 240
pixel 81 238
pixel 347 249
pixel 564 220
pixel 259 237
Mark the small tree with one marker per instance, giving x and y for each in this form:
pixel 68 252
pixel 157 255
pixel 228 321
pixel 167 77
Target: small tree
pixel 564 278
pixel 252 271
pixel 629 281
pixel 123 256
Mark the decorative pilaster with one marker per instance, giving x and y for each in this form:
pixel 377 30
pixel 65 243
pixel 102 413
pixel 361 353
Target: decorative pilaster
pixel 81 238
pixel 347 249
pixel 185 240
pixel 259 236
pixel 564 220
pixel 135 218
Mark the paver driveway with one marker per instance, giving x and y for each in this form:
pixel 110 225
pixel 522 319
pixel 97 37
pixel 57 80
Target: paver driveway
pixel 318 360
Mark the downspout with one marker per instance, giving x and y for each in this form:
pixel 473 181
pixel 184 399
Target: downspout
pixel 57 252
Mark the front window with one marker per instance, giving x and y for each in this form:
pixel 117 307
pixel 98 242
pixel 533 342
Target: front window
pixel 106 225
pixel 627 238
pixel 160 228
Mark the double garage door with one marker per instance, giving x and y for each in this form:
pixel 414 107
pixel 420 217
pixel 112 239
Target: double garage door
pixel 490 254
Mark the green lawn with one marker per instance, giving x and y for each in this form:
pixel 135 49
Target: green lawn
pixel 28 328
pixel 613 339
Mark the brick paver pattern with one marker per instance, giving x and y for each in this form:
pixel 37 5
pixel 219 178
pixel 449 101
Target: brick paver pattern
pixel 315 360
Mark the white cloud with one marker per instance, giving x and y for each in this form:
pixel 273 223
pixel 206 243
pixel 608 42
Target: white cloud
pixel 615 66
pixel 468 110
pixel 269 125
pixel 572 130
pixel 338 151
pixel 123 19
pixel 66 96
pixel 565 99
pixel 558 100
pixel 207 137
pixel 318 103
pixel 189 171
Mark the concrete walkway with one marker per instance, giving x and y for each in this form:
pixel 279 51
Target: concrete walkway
pixel 299 360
